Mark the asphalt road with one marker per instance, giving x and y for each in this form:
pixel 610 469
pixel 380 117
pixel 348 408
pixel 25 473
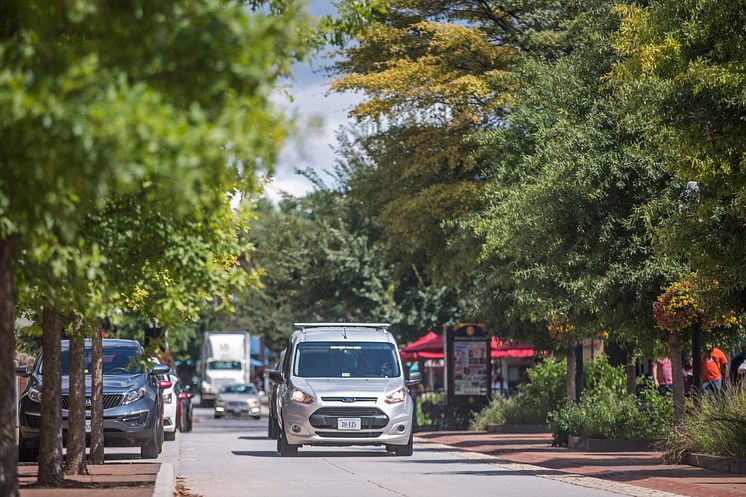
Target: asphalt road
pixel 234 458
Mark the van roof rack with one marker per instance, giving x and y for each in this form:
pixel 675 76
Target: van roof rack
pixel 300 326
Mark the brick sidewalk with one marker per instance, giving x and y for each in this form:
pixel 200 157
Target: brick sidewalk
pixel 642 469
pixel 110 480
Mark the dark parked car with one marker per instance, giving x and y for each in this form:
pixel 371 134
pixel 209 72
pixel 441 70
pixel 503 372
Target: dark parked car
pixel 272 429
pixel 183 407
pixel 132 400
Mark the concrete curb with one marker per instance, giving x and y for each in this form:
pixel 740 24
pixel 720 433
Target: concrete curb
pixel 607 445
pixel 508 429
pixel 718 463
pixel 551 474
pixel 165 481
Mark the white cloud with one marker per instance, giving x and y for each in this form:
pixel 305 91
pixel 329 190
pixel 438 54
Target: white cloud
pixel 318 115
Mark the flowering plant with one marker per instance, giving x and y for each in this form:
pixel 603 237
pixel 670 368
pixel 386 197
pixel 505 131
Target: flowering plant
pixel 559 328
pixel 683 305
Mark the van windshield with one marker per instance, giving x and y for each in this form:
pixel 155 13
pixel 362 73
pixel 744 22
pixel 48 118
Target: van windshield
pixel 346 360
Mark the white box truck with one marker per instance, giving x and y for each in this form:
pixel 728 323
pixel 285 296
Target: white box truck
pixel 224 359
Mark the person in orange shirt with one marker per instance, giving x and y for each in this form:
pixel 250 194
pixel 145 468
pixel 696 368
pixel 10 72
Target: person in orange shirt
pixel 714 366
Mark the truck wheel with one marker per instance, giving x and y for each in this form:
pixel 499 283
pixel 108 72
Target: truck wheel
pixel 150 449
pixel 169 436
pixel 26 453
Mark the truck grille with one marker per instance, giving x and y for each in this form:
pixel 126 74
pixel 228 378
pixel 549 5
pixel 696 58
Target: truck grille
pixel 110 401
pixel 370 417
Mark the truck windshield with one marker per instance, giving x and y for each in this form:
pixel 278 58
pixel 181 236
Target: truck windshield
pixel 345 360
pixel 225 365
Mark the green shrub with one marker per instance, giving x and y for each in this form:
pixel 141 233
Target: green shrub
pixel 714 426
pixel 607 411
pixel 531 402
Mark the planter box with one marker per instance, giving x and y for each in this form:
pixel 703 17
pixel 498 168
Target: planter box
pixel 718 463
pixel 604 445
pixel 508 429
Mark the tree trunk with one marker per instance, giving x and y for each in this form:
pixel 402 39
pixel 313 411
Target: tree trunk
pixel 97 396
pixel 674 344
pixel 50 433
pixel 8 401
pixel 75 458
pixel 579 371
pixel 697 359
pixel 571 375
pixel 631 369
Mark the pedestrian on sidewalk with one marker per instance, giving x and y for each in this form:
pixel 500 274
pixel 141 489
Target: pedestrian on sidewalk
pixel 663 375
pixel 736 363
pixel 714 367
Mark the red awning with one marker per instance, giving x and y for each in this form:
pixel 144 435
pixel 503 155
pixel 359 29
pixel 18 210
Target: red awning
pixel 430 346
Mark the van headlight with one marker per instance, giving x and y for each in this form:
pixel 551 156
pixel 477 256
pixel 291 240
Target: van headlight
pixel 397 396
pixel 301 396
pixel 134 395
pixel 34 394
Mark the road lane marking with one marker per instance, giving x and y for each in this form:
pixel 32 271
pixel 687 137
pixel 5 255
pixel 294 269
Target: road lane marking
pixel 386 488
pixel 338 467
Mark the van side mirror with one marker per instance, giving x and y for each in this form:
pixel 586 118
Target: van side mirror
pixel 276 376
pixel 414 379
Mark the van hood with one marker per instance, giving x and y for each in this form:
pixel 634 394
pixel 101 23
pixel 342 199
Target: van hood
pixel 116 383
pixel 348 386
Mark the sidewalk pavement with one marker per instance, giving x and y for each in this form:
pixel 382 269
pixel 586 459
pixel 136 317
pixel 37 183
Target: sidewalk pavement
pixel 104 480
pixel 641 469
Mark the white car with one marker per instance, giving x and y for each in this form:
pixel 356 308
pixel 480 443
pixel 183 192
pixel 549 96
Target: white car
pixel 170 401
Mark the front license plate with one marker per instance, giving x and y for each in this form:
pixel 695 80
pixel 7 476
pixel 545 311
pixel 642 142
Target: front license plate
pixel 87 425
pixel 348 424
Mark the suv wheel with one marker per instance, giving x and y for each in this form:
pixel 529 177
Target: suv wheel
pixel 286 449
pixel 26 453
pixel 150 449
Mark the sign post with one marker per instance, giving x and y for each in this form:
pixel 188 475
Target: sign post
pixel 468 364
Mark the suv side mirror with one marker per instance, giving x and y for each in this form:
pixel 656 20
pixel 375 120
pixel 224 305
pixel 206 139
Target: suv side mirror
pixel 414 379
pixel 160 369
pixel 276 376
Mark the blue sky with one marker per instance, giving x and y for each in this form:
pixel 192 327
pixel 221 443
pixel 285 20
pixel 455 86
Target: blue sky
pixel 318 115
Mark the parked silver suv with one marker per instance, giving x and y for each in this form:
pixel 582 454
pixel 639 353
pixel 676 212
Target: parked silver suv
pixel 343 384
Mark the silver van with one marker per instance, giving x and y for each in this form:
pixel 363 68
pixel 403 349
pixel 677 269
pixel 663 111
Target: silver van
pixel 343 384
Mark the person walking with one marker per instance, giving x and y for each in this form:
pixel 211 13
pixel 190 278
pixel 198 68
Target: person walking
pixel 714 367
pixel 663 375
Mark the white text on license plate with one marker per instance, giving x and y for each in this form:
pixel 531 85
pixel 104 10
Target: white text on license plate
pixel 348 423
pixel 87 425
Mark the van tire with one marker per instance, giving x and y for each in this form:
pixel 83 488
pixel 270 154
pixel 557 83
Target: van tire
pixel 272 427
pixel 403 450
pixel 150 449
pixel 286 449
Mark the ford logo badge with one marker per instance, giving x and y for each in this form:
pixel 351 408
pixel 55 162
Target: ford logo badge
pixel 348 399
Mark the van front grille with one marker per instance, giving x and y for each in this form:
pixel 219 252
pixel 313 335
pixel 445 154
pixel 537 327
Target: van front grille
pixel 370 417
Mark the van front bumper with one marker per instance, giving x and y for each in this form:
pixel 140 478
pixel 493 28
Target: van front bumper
pixel 317 423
